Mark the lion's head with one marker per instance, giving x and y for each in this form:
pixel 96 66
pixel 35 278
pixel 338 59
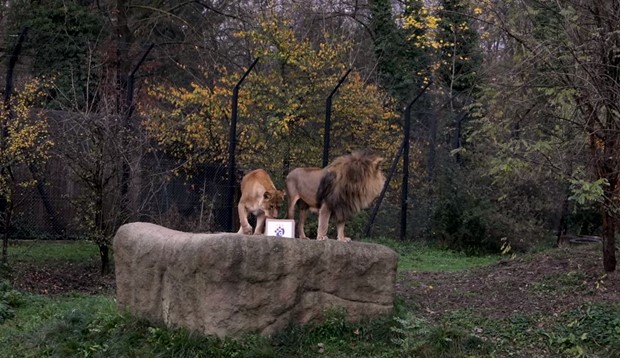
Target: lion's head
pixel 260 197
pixel 272 201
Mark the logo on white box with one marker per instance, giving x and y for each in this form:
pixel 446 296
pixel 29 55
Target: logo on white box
pixel 280 228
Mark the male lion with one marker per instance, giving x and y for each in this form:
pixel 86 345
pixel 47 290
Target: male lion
pixel 350 184
pixel 301 186
pixel 260 197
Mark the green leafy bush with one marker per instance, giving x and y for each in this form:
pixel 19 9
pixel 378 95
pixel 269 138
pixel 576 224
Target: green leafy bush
pixel 465 224
pixel 590 328
pixel 9 299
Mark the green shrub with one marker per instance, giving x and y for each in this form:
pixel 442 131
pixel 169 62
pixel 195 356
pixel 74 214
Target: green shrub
pixel 465 224
pixel 9 300
pixel 411 332
pixel 418 338
pixel 587 330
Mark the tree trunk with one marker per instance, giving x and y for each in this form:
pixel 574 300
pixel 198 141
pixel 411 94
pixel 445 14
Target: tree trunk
pixel 562 225
pixel 104 252
pixel 100 227
pixel 123 86
pixel 5 237
pixel 609 236
pixel 608 168
pixel 5 231
pixel 57 227
pixel 605 148
pixel 6 204
pixel 431 164
pixel 5 245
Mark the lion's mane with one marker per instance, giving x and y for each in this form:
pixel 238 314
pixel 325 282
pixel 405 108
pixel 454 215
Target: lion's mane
pixel 351 183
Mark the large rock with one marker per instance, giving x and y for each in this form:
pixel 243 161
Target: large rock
pixel 230 284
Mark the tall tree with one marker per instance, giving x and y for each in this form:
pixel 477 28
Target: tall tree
pixel 24 141
pixel 460 55
pixel 281 105
pixel 401 66
pixel 562 87
pixel 62 35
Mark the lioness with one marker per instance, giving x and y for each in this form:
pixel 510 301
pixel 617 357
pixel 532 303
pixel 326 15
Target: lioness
pixel 350 184
pixel 301 186
pixel 260 197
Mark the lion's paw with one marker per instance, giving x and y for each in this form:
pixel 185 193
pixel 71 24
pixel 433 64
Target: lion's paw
pixel 321 238
pixel 345 239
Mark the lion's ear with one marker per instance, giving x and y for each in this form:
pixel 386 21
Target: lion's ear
pixel 267 195
pixel 378 161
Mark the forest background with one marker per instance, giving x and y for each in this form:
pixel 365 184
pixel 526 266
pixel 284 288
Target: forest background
pixel 120 111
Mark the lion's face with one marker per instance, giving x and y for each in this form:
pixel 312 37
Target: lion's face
pixel 272 200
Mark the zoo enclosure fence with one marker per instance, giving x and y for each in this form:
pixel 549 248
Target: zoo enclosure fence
pixel 201 202
pixel 196 203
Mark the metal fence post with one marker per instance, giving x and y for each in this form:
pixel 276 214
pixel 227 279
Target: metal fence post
pixel 130 85
pixel 404 150
pixel 125 170
pixel 404 199
pixel 328 119
pixel 232 144
pixel 375 209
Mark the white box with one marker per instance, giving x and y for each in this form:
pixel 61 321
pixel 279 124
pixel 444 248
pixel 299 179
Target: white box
pixel 280 228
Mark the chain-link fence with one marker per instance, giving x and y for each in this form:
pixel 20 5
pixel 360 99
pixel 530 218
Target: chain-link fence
pixel 66 203
pixel 58 208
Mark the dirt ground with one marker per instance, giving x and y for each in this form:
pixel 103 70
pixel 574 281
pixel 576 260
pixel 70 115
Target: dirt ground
pixel 550 282
pixel 60 278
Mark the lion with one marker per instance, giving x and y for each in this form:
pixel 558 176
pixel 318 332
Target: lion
pixel 350 183
pixel 260 197
pixel 301 186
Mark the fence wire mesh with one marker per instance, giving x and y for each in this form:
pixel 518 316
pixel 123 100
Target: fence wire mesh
pixel 159 194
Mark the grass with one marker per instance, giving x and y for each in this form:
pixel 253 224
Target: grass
pixel 590 330
pixel 90 326
pixel 561 283
pixel 73 325
pixel 419 256
pixel 45 251
pixel 414 256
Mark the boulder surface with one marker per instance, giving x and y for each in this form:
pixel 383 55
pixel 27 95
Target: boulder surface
pixel 230 284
